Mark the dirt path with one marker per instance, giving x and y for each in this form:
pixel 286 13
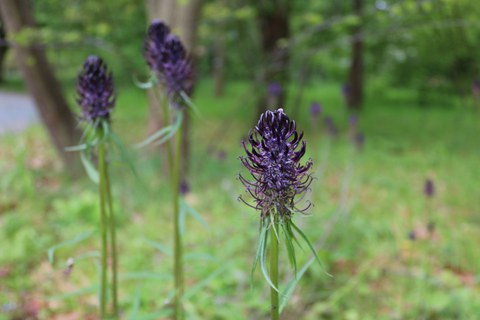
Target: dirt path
pixel 17 112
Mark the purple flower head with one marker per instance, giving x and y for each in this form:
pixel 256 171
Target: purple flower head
pixel 222 155
pixel 274 151
pixel 353 120
pixel 346 90
pixel 167 57
pixel 332 129
pixel 95 90
pixel 184 187
pixel 315 109
pixel 154 49
pixel 274 89
pixel 429 188
pixel 359 140
pixel 476 86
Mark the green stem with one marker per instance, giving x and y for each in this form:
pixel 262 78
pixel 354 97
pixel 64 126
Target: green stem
pixel 168 143
pixel 177 247
pixel 103 225
pixel 274 271
pixel 113 244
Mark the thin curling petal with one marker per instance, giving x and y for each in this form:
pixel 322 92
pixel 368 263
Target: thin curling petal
pixel 273 161
pixel 95 90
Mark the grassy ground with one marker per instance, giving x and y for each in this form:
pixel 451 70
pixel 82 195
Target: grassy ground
pixel 368 207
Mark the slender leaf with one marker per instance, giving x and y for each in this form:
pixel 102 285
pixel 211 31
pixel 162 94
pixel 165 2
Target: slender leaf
pixel 160 247
pixel 199 286
pixel 89 168
pixel 304 237
pixel 292 284
pixel 190 103
pixel 144 275
pixel 194 213
pixel 290 248
pixel 154 136
pixel 75 293
pixel 152 81
pixel 79 238
pixel 263 266
pixel 261 238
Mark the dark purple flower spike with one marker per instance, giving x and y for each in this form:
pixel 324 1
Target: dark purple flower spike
pixel 315 109
pixel 95 90
pixel 429 188
pixel 274 151
pixel 167 58
pixel 279 182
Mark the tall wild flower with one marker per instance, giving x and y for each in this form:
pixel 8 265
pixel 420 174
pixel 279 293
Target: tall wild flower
pixel 278 182
pixel 96 97
pixel 171 66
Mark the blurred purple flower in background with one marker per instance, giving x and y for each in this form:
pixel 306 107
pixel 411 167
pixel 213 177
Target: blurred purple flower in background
pixel 184 187
pixel 346 91
pixel 95 90
pixel 222 155
pixel 330 126
pixel 476 88
pixel 429 188
pixel 167 57
pixel 315 109
pixel 359 140
pixel 274 89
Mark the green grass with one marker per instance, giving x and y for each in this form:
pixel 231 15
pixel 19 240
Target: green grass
pixel 366 204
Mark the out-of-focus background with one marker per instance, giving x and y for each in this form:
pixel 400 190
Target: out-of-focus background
pixel 387 93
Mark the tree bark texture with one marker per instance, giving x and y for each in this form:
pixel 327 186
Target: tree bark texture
pixel 3 50
pixel 182 17
pixel 274 26
pixel 41 82
pixel 354 91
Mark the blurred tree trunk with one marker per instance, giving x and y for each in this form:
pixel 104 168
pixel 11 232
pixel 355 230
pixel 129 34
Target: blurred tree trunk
pixel 274 26
pixel 3 49
pixel 41 82
pixel 182 17
pixel 219 62
pixel 355 77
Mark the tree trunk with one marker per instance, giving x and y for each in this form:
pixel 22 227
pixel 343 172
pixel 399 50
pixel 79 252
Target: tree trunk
pixel 355 78
pixel 219 63
pixel 41 82
pixel 183 18
pixel 274 26
pixel 3 50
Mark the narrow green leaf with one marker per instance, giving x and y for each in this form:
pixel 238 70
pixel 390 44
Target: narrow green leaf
pixel 89 168
pixel 263 266
pixel 292 285
pixel 194 213
pixel 290 248
pixel 261 238
pixel 177 124
pixel 144 275
pixel 272 224
pixel 154 136
pixel 200 285
pixel 152 81
pixel 137 298
pixel 160 247
pixel 190 103
pixel 124 153
pixel 79 238
pixel 75 293
pixel 304 237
